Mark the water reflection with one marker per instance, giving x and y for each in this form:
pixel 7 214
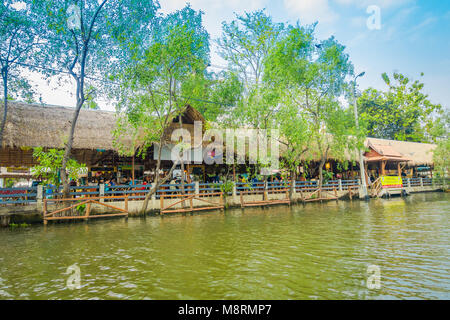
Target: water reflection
pixel 316 251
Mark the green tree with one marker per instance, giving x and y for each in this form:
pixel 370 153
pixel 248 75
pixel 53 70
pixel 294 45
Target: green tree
pixel 441 155
pixel 402 112
pixel 312 76
pixel 89 38
pixel 19 35
pixel 245 43
pixel 50 162
pixel 152 89
pixel 216 94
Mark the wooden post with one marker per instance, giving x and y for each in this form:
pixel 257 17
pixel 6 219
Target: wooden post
pixel 242 199
pixel 350 192
pixel 383 168
pixel 132 169
pixel 126 203
pixel 45 211
pixel 399 169
pixel 161 203
pixel 234 172
pixel 88 210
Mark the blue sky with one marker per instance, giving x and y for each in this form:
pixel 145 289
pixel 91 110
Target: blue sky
pixel 414 37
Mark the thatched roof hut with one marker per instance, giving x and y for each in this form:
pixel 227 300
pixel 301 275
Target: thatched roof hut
pixel 417 153
pixel 34 125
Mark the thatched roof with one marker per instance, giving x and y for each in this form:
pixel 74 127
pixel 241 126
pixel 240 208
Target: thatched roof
pixel 33 125
pixel 418 153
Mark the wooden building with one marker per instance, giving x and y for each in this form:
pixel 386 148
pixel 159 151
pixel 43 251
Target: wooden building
pixel 402 158
pixel 36 125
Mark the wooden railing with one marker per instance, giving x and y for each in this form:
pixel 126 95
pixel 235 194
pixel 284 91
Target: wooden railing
pixel 190 198
pixel 18 196
pixel 81 208
pixel 30 195
pixel 376 187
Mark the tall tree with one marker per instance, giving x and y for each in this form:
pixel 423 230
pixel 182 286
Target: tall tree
pixel 153 89
pixel 402 112
pixel 245 44
pixel 441 155
pixel 19 35
pixel 87 39
pixel 312 75
pixel 246 41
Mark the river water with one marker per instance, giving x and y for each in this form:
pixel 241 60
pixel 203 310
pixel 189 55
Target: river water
pixel 313 251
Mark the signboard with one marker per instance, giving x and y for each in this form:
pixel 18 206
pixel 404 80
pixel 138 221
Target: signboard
pixel 103 169
pixel 391 182
pixel 17 170
pixel 130 167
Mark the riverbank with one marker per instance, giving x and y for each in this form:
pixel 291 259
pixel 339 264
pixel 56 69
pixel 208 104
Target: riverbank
pixel 33 213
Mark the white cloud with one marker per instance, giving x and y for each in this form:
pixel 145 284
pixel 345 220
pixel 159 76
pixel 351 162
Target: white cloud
pixel 215 11
pixel 381 3
pixel 309 11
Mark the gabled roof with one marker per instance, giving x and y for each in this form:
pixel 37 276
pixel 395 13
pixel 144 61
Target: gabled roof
pixel 385 150
pixel 416 153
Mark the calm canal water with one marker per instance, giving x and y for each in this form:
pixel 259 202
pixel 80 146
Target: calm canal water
pixel 317 251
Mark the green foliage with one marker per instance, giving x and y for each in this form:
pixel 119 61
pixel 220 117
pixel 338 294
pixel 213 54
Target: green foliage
pixel 19 34
pixel 109 35
pixel 81 208
pixel 327 175
pixel 224 89
pixel 9 182
pixel 16 225
pixel 441 155
pixel 152 89
pixel 225 187
pixel 402 112
pixel 246 41
pixel 50 163
pixel 245 44
pixel 312 76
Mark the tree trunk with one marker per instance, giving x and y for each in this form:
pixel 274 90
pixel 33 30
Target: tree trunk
pixel 5 98
pixel 156 186
pixel 291 188
pixel 68 149
pixel 182 162
pixel 322 163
